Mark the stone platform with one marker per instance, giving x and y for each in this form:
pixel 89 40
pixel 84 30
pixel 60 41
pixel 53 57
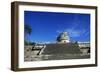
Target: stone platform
pixel 55 51
pixel 62 48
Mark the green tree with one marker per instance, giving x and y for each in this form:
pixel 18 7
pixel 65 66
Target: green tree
pixel 28 29
pixel 27 32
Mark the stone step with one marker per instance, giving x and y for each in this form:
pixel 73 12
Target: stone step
pixel 66 48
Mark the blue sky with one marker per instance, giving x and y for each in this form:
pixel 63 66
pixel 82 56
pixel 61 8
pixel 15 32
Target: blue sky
pixel 46 26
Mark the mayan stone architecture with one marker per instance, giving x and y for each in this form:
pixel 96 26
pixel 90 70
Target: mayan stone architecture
pixel 62 49
pixel 63 46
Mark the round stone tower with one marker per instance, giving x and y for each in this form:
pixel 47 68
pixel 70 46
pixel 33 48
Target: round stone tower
pixel 63 38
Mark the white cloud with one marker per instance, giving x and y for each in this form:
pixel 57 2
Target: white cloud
pixel 75 33
pixel 58 31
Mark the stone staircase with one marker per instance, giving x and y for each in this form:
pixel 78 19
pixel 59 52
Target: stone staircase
pixel 63 48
